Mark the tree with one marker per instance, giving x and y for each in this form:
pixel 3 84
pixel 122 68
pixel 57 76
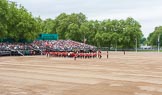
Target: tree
pixel 19 24
pixel 153 37
pixel 48 26
pixel 143 41
pixel 131 33
pixel 3 18
pixel 85 32
pixel 73 33
pixel 64 22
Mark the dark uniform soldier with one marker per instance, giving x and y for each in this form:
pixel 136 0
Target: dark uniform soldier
pixel 99 54
pixel 107 54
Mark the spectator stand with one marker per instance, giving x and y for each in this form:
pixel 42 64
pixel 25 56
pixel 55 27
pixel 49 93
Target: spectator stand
pixel 59 48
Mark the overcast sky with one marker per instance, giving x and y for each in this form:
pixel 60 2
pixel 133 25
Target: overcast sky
pixel 147 12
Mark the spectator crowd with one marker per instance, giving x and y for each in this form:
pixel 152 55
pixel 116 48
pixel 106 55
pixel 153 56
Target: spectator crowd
pixel 63 45
pixel 42 46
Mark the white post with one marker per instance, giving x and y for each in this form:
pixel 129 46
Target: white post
pixel 136 44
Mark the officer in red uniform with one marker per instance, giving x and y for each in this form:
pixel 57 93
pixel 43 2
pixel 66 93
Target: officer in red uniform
pixel 75 55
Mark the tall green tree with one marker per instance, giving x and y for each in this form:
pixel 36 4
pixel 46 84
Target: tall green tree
pixel 3 18
pixel 65 22
pixel 17 23
pixel 73 32
pixel 131 33
pixel 155 36
pixel 48 26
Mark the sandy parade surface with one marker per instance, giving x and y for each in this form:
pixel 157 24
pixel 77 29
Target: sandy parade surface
pixel 131 74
